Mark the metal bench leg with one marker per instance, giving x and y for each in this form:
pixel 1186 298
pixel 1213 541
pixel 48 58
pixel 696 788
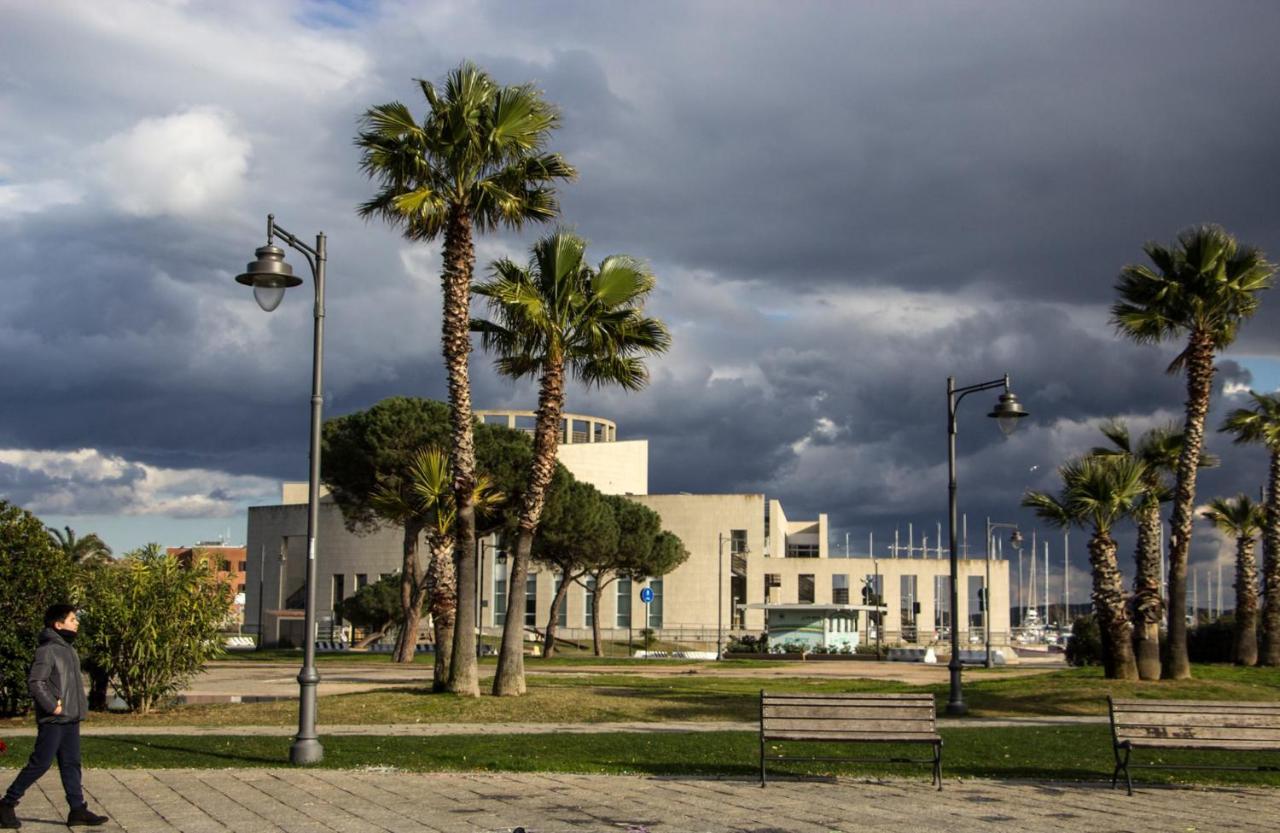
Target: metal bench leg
pixel 762 776
pixel 1115 773
pixel 937 765
pixel 1128 779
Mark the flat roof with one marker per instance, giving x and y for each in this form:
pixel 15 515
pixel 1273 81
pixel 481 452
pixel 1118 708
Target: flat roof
pixel 814 608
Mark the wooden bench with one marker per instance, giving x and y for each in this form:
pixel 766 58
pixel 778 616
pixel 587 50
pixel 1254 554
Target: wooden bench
pixel 850 718
pixel 1225 725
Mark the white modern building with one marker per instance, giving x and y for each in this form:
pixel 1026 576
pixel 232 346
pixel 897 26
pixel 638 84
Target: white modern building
pixel 748 564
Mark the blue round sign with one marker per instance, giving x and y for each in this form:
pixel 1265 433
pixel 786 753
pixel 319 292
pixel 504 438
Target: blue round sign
pixel 646 595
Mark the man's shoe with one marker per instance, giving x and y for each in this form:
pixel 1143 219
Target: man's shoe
pixel 8 818
pixel 82 815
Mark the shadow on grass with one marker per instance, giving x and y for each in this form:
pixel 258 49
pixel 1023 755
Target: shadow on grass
pixel 193 754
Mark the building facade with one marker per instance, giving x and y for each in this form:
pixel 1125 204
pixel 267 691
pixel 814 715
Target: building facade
pixel 744 554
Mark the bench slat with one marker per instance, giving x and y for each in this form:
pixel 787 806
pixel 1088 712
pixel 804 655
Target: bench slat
pixel 1243 721
pixel 865 726
pixel 1200 733
pixel 916 706
pixel 1195 706
pixel 854 695
pixel 1183 743
pixel 862 737
pixel 911 713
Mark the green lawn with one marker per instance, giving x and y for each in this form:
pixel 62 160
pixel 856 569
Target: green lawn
pixel 618 696
pixel 1070 753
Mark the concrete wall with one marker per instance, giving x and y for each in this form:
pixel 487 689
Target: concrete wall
pixel 615 468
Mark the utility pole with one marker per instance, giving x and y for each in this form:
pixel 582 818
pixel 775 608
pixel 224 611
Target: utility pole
pixel 1066 580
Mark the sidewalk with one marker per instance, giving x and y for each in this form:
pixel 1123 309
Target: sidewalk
pixel 336 801
pixel 436 729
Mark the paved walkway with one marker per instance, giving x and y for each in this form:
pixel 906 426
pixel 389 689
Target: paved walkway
pixel 435 729
pixel 336 801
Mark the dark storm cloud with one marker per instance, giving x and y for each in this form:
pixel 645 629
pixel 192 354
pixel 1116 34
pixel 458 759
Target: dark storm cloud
pixel 844 204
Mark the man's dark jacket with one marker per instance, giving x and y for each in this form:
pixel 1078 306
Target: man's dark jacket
pixel 55 675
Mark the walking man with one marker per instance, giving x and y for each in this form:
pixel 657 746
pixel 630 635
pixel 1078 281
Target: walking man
pixel 58 691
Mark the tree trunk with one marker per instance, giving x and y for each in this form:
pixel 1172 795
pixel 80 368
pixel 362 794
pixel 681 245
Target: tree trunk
pixel 508 680
pixel 1271 568
pixel 549 640
pixel 1245 650
pixel 596 644
pixel 99 681
pixel 1148 608
pixel 1199 368
pixel 441 588
pixel 1109 606
pixel 410 596
pixel 459 258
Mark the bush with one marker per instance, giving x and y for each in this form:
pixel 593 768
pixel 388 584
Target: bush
pixel 1085 645
pixel 1212 641
pixel 33 574
pixel 748 644
pixel 153 623
pixel 375 607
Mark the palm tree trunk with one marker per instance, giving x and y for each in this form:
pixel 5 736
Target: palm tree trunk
pixel 410 597
pixel 442 590
pixel 459 258
pixel 1109 607
pixel 509 678
pixel 1245 651
pixel 1271 568
pixel 549 640
pixel 1199 368
pixel 1147 607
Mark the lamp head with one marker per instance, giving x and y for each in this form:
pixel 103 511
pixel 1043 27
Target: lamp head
pixel 1007 412
pixel 269 276
pixel 1016 539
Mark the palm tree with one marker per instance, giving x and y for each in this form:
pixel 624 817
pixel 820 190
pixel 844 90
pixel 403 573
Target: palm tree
pixel 1242 519
pixel 1100 491
pixel 88 551
pixel 1202 289
pixel 1261 424
pixel 1158 450
pixel 554 316
pixel 423 501
pixel 476 162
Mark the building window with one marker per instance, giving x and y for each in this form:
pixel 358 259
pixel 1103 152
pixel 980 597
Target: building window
pixel 840 589
pixel 909 606
pixel 339 590
pixel 588 602
pixel 655 606
pixel 805 593
pixel 772 588
pixel 562 616
pixel 362 581
pixel 239 588
pixel 977 604
pixel 244 565
pixel 942 603
pixel 500 597
pixel 737 542
pixel 624 603
pixel 224 565
pixel 802 550
pixel 531 600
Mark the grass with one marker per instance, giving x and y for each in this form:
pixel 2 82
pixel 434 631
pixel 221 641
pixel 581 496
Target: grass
pixel 599 697
pixel 1067 753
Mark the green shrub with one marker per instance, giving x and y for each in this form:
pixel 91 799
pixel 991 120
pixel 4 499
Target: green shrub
pixel 375 607
pixel 1212 641
pixel 1085 645
pixel 153 623
pixel 33 575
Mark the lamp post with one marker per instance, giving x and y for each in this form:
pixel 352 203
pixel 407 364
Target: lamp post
pixel 1016 540
pixel 270 276
pixel 720 598
pixel 481 543
pixel 1007 413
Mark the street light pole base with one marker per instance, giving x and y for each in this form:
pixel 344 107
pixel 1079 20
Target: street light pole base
pixel 306 751
pixel 957 709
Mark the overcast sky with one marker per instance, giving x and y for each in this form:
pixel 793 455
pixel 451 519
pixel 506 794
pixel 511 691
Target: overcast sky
pixel 844 204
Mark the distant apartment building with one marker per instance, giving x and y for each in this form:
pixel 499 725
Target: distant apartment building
pixel 227 563
pixel 749 564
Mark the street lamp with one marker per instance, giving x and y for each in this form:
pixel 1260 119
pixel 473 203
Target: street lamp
pixel 1016 540
pixel 1007 413
pixel 270 276
pixel 497 557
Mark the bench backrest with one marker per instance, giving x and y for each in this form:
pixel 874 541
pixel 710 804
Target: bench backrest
pixel 847 716
pixel 1223 723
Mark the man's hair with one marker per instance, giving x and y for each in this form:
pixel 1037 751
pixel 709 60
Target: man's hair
pixel 57 613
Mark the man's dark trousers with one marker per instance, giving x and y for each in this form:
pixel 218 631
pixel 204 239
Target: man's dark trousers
pixel 54 740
